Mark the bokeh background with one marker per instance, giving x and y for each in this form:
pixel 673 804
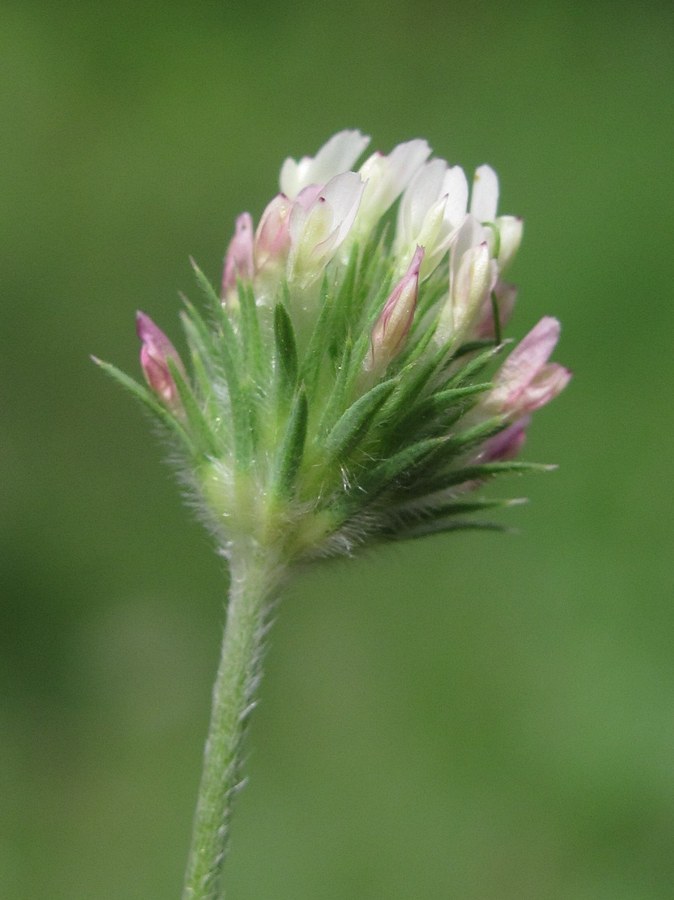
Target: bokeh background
pixel 480 717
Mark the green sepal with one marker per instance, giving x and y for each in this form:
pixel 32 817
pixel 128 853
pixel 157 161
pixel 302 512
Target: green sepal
pixel 220 345
pixel 318 343
pixel 223 352
pixel 334 403
pixel 355 423
pixel 207 289
pixel 432 508
pixel 412 380
pixel 205 359
pixel 475 365
pixel 477 434
pixel 416 347
pixel 440 481
pixel 362 343
pixel 473 347
pixel 441 526
pixel 165 416
pixel 386 473
pixel 499 467
pixel 435 413
pixel 251 338
pixel 370 267
pixel 228 343
pixel 343 313
pixel 452 446
pixel 291 450
pixel 197 424
pixel 286 350
pixel 428 515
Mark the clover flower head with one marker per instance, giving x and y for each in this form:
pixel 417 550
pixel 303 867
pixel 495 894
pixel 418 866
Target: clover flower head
pixel 348 384
pixel 345 384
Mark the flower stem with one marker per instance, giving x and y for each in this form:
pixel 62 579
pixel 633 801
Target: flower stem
pixel 254 579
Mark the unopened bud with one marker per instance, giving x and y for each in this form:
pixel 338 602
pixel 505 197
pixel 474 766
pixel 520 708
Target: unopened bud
pixel 507 443
pixel 526 380
pixel 155 352
pixel 239 257
pixel 272 238
pixel 392 326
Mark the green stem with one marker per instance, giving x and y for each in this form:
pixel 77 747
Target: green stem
pixel 254 579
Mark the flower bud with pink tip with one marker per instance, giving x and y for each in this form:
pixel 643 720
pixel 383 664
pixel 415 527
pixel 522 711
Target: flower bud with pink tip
pixel 507 443
pixel 155 352
pixel 393 325
pixel 526 380
pixel 272 238
pixel 239 257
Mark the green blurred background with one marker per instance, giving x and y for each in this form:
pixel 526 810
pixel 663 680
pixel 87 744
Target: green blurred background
pixel 480 717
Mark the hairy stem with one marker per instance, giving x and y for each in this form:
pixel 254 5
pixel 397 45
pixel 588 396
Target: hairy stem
pixel 255 577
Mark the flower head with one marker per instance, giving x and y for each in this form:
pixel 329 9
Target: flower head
pixel 345 383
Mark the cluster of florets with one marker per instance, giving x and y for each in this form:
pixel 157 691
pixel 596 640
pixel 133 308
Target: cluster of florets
pixel 336 393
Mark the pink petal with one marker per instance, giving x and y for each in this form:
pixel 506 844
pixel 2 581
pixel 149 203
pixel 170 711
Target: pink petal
pixel 155 352
pixel 239 257
pixel 395 321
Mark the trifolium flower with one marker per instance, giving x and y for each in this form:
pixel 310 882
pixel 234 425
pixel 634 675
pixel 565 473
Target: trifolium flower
pixel 348 384
pixel 350 380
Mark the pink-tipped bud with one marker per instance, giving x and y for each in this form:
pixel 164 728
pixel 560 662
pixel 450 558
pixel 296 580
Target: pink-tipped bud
pixel 393 325
pixel 507 443
pixel 526 380
pixel 155 352
pixel 272 239
pixel 239 257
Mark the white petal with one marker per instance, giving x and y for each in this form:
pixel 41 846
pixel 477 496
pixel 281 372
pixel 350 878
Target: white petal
pixel 344 194
pixel 471 234
pixel 337 155
pixel 387 177
pixel 455 185
pixel 474 280
pixel 317 230
pixel 484 199
pixel 510 237
pixel 421 193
